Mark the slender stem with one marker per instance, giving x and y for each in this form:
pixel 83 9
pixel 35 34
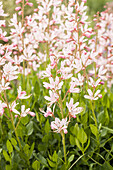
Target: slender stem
pixel 61 106
pixel 18 123
pixel 97 136
pixel 23 45
pixel 12 121
pixel 64 148
pixel 22 13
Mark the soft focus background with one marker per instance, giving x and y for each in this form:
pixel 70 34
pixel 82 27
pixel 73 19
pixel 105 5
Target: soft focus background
pixel 94 6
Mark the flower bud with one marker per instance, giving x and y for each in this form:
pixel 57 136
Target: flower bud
pixel 30 4
pixel 18 1
pixel 17 8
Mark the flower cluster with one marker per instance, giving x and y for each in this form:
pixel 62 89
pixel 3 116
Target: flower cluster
pixel 58 43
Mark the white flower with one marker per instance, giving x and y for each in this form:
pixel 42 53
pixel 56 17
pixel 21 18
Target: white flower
pixel 73 109
pixel 59 125
pixel 22 94
pixel 93 96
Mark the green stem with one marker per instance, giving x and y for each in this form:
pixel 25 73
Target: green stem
pixel 97 136
pixel 23 45
pixel 64 148
pixel 12 121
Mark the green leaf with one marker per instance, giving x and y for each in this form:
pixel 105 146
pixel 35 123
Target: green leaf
pixel 94 129
pixel 37 116
pixel 8 167
pixel 31 150
pixel 6 156
pixel 87 145
pixel 9 146
pixel 71 158
pixel 75 129
pixel 24 120
pixel 107 166
pixel 26 149
pixel 47 126
pixel 78 144
pixel 36 165
pixel 29 128
pixel 110 130
pixel 55 156
pixel 13 141
pixel 52 164
pixel 45 138
pixel 43 160
pixel 37 89
pixel 106 117
pixel 84 118
pixel 82 137
pixel 106 102
pixel 42 147
pixel 72 140
pixel 101 117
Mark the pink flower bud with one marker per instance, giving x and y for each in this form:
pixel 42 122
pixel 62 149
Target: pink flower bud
pixel 65 131
pixel 5 39
pixel 18 8
pixel 35 10
pixel 2 53
pixel 29 3
pixel 3 25
pixel 84 1
pixel 101 82
pixel 100 96
pixel 32 114
pixel 20 13
pixel 18 1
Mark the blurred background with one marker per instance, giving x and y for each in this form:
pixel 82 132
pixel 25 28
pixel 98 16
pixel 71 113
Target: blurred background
pixel 93 6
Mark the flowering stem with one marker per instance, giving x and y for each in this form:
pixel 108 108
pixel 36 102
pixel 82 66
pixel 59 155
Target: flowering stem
pixel 12 121
pixel 97 135
pixel 61 106
pixel 64 148
pixel 23 45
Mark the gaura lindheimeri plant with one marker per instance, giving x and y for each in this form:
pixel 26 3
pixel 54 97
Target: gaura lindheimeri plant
pixel 73 63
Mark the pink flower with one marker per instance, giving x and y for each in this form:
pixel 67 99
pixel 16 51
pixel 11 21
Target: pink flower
pixel 53 97
pixel 93 83
pixel 79 81
pixel 25 112
pixel 73 88
pixel 93 96
pixel 55 85
pixel 3 85
pixel 48 112
pixel 73 109
pixel 12 108
pixel 22 94
pixel 10 72
pixel 59 125
pixel 101 73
